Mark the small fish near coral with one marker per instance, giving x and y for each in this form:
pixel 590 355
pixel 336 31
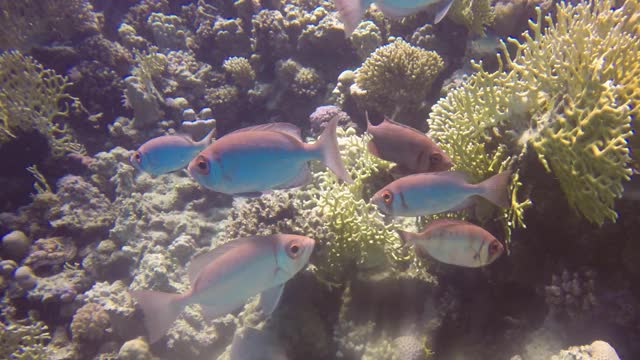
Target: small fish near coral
pixel 267 157
pixel 352 11
pixel 225 278
pixel 455 242
pixel 410 149
pixel 433 193
pixel 168 153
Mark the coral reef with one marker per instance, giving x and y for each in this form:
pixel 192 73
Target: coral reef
pixel 474 14
pixel 397 76
pixel 90 323
pixel 572 113
pixel 34 102
pixel 597 350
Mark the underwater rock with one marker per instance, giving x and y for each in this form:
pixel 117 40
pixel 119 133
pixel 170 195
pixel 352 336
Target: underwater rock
pixel 108 262
pixel 572 294
pixel 323 114
pixel 109 53
pixel 116 301
pixel 136 349
pixel 51 253
pixel 90 323
pixel 25 278
pixel 60 288
pixel 16 244
pixel 83 209
pixel 597 350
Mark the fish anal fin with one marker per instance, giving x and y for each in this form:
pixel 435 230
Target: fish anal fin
pixel 270 298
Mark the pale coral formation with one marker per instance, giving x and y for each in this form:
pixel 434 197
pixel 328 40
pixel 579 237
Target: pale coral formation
pixel 365 39
pixel 396 76
pixel 90 323
pixel 240 71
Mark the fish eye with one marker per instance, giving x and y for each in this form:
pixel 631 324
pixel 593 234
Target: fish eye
pixel 202 165
pixel 293 249
pixel 387 196
pixel 137 157
pixel 435 158
pixel 494 248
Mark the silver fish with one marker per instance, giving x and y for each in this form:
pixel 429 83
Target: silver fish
pixel 455 242
pixel 224 279
pixel 352 11
pixel 433 193
pixel 407 147
pixel 265 157
pixel 168 153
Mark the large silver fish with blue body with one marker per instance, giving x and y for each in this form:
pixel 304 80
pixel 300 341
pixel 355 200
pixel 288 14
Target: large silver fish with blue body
pixel 224 279
pixel 260 158
pixel 168 153
pixel 433 193
pixel 352 11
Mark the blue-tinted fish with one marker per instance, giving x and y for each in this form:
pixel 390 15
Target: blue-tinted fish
pixel 432 193
pixel 224 279
pixel 455 242
pixel 265 157
pixel 352 11
pixel 168 153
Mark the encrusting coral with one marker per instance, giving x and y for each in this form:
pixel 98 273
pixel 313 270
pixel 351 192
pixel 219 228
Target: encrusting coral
pixel 564 93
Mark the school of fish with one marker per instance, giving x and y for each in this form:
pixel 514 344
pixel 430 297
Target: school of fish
pixel 263 158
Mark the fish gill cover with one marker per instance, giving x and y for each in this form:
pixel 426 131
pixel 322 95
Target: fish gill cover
pixel 560 98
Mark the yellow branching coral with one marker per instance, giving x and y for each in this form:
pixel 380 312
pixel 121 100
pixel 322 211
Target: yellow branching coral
pixel 568 92
pixel 23 338
pixel 358 236
pixel 31 98
pixel 585 68
pixel 474 14
pixel 396 76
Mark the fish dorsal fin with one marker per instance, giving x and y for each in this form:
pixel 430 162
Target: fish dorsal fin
pixel 442 11
pixel 281 127
pixel 453 174
pixel 200 261
pixel 442 223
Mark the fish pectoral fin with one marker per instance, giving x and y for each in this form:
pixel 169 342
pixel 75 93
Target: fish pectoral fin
pixel 211 312
pixel 270 298
pixel 303 178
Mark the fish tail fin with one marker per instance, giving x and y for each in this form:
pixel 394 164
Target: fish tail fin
pixel 442 12
pixel 327 144
pixel 496 189
pixel 160 311
pixel 407 238
pixel 351 13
